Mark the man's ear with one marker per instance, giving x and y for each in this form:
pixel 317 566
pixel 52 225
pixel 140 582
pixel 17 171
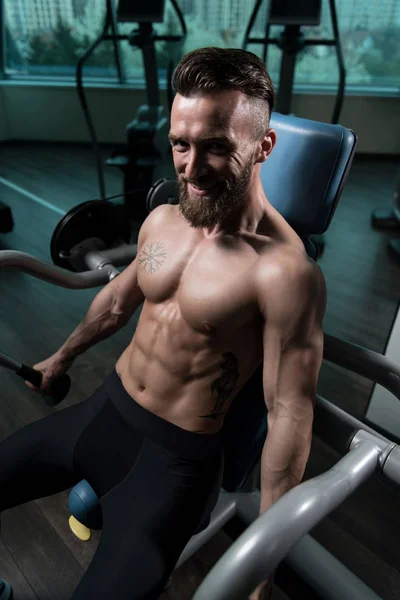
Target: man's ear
pixel 266 146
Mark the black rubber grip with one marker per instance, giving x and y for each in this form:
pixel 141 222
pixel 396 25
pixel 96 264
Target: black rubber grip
pixel 58 390
pixel 30 375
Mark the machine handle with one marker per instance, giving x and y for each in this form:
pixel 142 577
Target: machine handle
pixel 20 261
pixel 266 542
pixel 58 389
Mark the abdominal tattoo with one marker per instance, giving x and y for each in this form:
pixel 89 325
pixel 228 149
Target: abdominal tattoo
pixel 224 385
pixel 152 257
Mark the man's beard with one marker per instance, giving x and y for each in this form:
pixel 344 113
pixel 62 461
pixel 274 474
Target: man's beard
pixel 212 209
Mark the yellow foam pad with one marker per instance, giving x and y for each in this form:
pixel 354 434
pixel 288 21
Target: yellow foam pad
pixel 81 531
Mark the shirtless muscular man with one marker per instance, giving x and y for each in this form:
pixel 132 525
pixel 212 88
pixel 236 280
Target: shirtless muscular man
pixel 226 285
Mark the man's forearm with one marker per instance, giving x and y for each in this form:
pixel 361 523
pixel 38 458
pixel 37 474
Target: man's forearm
pixel 100 322
pixel 271 491
pixel 284 457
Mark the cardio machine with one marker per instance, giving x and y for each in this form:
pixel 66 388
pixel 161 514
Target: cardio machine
pixel 147 149
pixel 307 198
pixel 293 15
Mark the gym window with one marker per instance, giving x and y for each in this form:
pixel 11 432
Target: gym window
pixel 42 39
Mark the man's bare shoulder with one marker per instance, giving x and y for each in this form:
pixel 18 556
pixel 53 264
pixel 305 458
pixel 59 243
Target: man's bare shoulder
pixel 286 271
pixel 283 258
pixel 161 213
pixel 155 220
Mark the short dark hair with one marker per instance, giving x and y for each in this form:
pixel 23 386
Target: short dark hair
pixel 219 69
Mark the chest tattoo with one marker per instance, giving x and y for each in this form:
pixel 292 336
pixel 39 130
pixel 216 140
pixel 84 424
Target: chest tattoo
pixel 152 257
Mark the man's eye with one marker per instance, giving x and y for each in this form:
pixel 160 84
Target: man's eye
pixel 217 147
pixel 178 144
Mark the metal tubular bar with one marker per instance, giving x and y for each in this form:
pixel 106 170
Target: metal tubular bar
pixel 119 256
pixel 312 562
pixel 97 261
pixel 326 574
pixel 389 458
pixel 368 364
pixel 336 427
pixel 385 446
pixel 112 257
pixel 268 540
pixel 19 261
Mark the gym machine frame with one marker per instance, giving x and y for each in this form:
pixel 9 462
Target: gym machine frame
pixel 282 531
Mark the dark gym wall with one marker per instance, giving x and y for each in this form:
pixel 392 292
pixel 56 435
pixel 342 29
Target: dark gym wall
pixel 51 112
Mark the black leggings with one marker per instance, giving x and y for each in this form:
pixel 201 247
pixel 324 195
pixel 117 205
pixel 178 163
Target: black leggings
pixel 154 481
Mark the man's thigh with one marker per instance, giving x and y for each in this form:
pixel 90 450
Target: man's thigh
pixel 148 519
pixel 37 460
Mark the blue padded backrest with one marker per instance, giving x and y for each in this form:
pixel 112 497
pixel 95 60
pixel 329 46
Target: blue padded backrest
pixel 304 175
pixel 302 179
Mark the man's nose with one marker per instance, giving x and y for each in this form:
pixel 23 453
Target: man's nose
pixel 195 165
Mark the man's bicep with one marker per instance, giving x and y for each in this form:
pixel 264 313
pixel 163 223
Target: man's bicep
pixel 290 372
pixel 127 293
pixel 293 338
pixel 297 377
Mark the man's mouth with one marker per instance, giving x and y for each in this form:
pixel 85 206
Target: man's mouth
pixel 202 190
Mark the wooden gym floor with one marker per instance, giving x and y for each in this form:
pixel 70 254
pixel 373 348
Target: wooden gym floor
pixel 39 555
